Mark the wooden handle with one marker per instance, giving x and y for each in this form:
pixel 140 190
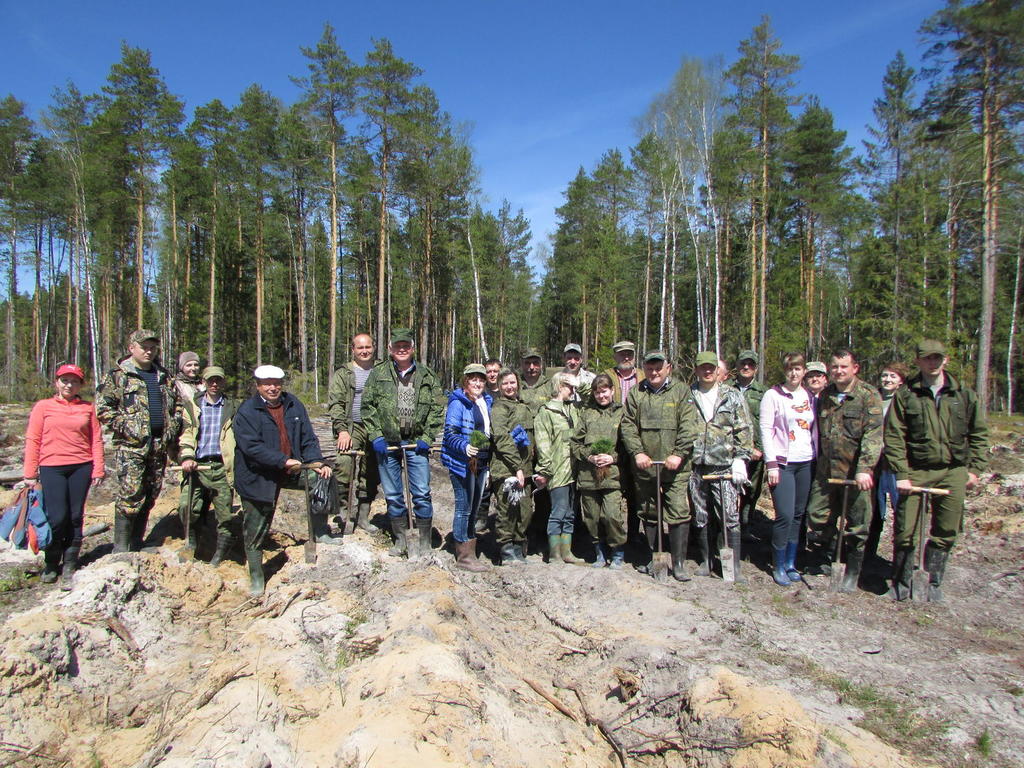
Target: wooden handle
pixel 840 481
pixel 717 477
pixel 932 491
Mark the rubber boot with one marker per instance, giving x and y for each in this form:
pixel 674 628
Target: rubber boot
pixel 399 528
pixel 554 549
pixel 508 554
pixel 874 536
pixel 935 562
pixel 854 561
pixel 735 539
pixel 902 572
pixel 651 534
pixel 791 571
pixel 70 566
pixel 704 569
pixel 618 558
pixel 363 518
pixel 424 532
pixel 565 550
pixel 678 536
pixel 480 525
pixel 223 544
pixel 122 532
pixel 138 531
pixel 51 563
pixel 254 559
pixel 520 551
pixel 599 558
pixel 779 570
pixel 465 557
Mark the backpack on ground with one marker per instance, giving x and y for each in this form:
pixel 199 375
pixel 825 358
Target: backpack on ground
pixel 24 523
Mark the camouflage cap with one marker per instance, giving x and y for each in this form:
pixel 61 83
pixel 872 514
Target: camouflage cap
pixel 816 366
pixel 927 347
pixel 624 346
pixel 657 354
pixel 141 335
pixel 706 358
pixel 747 354
pixel 474 368
pixel 402 335
pixel 531 352
pixel 213 370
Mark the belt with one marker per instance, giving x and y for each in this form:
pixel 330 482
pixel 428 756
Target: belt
pixel 214 459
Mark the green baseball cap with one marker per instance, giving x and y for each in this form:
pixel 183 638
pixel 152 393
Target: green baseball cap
pixel 706 358
pixel 531 352
pixel 927 347
pixel 213 370
pixel 657 354
pixel 474 368
pixel 747 354
pixel 402 334
pixel 624 346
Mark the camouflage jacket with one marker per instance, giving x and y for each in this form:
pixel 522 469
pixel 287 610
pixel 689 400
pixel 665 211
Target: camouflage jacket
pixel 508 458
pixel 849 431
pixel 660 424
pixel 596 423
pixel 729 433
pixel 752 394
pixel 553 427
pixel 122 404
pixel 925 432
pixel 380 404
pixel 340 394
pixel 536 395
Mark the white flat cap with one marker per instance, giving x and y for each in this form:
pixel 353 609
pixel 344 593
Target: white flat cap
pixel 268 372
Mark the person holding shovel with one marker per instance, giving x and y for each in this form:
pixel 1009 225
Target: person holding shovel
pixel 658 433
pixel 274 438
pixel 935 437
pixel 402 407
pixel 722 449
pixel 849 418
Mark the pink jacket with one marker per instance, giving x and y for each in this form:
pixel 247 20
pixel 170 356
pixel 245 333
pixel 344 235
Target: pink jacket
pixel 775 427
pixel 61 433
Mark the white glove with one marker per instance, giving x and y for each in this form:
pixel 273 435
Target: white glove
pixel 739 471
pixel 472 450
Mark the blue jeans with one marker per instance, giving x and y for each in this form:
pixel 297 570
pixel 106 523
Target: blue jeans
pixel 469 492
pixel 790 500
pixel 560 521
pixel 419 483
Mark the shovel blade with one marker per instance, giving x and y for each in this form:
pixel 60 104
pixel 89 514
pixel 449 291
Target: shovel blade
pixel 919 586
pixel 728 565
pixel 309 551
pixel 835 579
pixel 660 566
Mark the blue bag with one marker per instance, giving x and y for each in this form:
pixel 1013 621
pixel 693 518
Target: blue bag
pixel 24 524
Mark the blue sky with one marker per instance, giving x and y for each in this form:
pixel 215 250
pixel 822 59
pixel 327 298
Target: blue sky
pixel 545 87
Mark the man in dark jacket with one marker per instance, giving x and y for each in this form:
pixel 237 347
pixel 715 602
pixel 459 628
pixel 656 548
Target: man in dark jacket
pixel 935 436
pixel 273 439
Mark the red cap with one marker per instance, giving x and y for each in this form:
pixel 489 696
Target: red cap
pixel 74 370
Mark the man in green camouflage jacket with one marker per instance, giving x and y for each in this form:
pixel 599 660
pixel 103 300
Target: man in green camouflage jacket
pixel 137 401
pixel 534 387
pixel 849 415
pixel 744 380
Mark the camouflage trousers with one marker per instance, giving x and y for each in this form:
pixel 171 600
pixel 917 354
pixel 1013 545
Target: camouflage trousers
pixel 604 507
pixel 364 468
pixel 720 495
pixel 825 507
pixel 512 519
pixel 204 489
pixel 140 477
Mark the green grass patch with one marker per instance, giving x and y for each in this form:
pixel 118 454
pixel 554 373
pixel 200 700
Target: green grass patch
pixel 12 582
pixel 983 743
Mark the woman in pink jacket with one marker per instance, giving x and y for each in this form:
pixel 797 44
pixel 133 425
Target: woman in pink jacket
pixel 789 436
pixel 63 456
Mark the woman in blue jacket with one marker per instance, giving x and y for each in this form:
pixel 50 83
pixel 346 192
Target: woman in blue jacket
pixel 469 410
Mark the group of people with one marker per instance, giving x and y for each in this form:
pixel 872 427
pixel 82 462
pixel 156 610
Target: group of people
pixel 633 451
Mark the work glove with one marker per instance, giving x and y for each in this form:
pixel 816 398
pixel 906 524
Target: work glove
pixel 520 437
pixel 380 447
pixel 739 472
pixel 471 450
pixel 422 449
pixel 513 490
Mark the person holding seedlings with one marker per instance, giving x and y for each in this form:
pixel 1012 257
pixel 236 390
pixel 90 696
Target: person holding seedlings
pixel 789 434
pixel 724 445
pixel 554 425
pixel 935 436
pixel 596 458
pixel 465 451
pixel 512 438
pixel 658 426
pixel 64 458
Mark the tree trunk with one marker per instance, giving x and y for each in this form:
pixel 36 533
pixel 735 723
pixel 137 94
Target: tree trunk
pixel 1010 351
pixel 990 233
pixel 335 275
pixel 476 293
pixel 140 257
pixel 213 280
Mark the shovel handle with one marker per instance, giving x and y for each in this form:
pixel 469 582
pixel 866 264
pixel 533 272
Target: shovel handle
pixel 932 491
pixel 717 477
pixel 841 481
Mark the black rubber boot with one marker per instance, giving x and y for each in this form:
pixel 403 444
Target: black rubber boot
pixel 508 554
pixel 854 561
pixel 599 559
pixel 678 536
pixel 51 564
pixel 651 535
pixel 399 527
pixel 424 532
pixel 520 550
pixel 902 572
pixel 322 530
pixel 935 563
pixel 70 566
pixel 254 559
pixel 138 523
pixel 704 569
pixel 122 532
pixel 735 542
pixel 363 518
pixel 223 544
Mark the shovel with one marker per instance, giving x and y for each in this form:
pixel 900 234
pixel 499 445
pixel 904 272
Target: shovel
pixel 185 512
pixel 919 581
pixel 356 455
pixel 724 550
pixel 660 562
pixel 309 548
pixel 836 579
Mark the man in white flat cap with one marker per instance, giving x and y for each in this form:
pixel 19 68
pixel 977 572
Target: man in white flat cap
pixel 273 439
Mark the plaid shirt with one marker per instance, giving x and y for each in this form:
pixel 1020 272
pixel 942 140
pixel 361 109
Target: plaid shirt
pixel 210 416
